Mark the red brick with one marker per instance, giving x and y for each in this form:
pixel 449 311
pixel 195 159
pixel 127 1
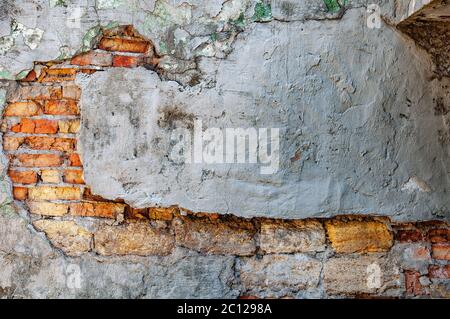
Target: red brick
pixel 31 77
pixel 74 160
pixel 40 126
pixel 51 143
pixel 61 107
pixel 39 160
pixel 23 177
pixel 441 251
pixel 102 209
pixel 93 58
pixel 126 61
pixel 437 271
pixel 412 282
pixel 59 75
pixel 73 177
pixel 20 193
pixel 439 235
pixel 22 109
pixel 409 235
pixel 124 45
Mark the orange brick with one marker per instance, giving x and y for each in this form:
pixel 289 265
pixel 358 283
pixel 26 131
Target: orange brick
pixel 12 143
pixel 162 213
pixel 23 177
pixel 73 176
pixel 93 58
pixel 51 143
pixel 125 61
pixel 20 193
pixel 102 209
pixel 439 235
pixel 61 107
pixel 39 160
pixel 36 92
pixel 22 109
pixel 74 160
pixel 59 75
pixel 40 126
pixel 412 282
pixel 54 193
pixel 441 251
pixel 124 45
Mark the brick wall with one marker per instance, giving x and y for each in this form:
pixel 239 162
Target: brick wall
pixel 275 258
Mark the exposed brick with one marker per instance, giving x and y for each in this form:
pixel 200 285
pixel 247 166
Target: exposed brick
pixel 100 209
pixel 138 238
pixel 217 237
pixel 350 236
pixel 71 92
pixel 48 208
pixel 71 126
pixel 73 176
pixel 59 75
pixel 31 77
pixel 54 193
pixel 439 271
pixel 22 109
pixel 93 58
pixel 162 213
pixel 50 176
pixel 75 160
pixel 126 61
pixel 74 240
pixel 40 126
pixel 12 143
pixel 37 92
pixel 409 235
pixel 291 236
pixel 61 144
pixel 61 107
pixel 124 45
pixel 439 235
pixel 20 193
pixel 23 177
pixel 441 251
pixel 412 283
pixel 39 160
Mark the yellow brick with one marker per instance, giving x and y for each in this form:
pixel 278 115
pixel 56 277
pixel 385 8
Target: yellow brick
pixel 69 126
pixel 50 176
pixel 47 208
pixel 54 193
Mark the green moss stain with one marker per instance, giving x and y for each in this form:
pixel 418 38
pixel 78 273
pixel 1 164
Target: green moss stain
pixel 239 22
pixel 58 3
pixel 163 50
pixel 263 12
pixel 335 5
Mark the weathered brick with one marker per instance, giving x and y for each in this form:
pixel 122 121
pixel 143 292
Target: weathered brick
pixel 439 235
pixel 11 143
pixel 40 126
pixel 30 77
pixel 124 45
pixel 51 143
pixel 75 160
pixel 412 283
pixel 23 177
pixel 162 213
pixel 48 208
pixel 363 274
pixel 73 176
pixel 61 107
pixel 274 274
pixel 71 92
pixel 133 239
pixel 39 160
pixel 350 236
pixel 59 75
pixel 22 109
pixel 99 209
pixel 20 193
pixel 71 126
pixel 93 58
pixel 54 193
pixel 409 235
pixel 439 271
pixel 37 92
pixel 441 251
pixel 50 176
pixel 217 237
pixel 126 61
pixel 291 236
pixel 71 238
